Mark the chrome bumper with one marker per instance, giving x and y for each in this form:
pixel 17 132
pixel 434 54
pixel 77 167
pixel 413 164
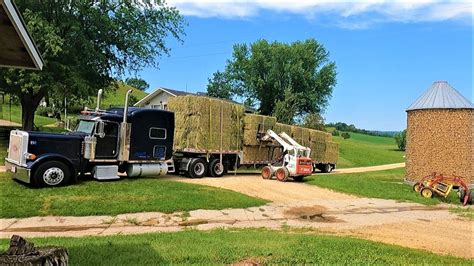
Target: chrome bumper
pixel 19 172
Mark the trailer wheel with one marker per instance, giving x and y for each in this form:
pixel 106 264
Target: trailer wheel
pixel 282 174
pixel 417 187
pixel 216 169
pixel 326 168
pixel 197 168
pixel 267 172
pixel 427 192
pixel 298 178
pixel 52 174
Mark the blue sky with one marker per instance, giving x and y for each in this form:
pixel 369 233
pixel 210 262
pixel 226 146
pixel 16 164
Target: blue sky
pixel 387 53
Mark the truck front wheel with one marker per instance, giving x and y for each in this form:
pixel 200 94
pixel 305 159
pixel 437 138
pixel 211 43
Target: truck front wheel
pixel 197 168
pixel 52 174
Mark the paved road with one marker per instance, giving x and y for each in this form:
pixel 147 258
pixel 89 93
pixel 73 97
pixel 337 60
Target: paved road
pixel 6 123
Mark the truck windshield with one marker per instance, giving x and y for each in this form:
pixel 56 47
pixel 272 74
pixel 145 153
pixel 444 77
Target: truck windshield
pixel 85 126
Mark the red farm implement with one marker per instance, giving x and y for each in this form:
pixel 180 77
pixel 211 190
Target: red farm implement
pixel 443 185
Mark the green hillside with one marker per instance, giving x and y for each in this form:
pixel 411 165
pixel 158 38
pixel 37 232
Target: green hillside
pixel 364 150
pixel 117 97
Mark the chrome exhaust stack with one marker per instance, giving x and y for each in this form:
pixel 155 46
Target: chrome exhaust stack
pixel 99 98
pixel 124 144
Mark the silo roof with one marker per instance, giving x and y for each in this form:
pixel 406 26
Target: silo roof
pixel 441 96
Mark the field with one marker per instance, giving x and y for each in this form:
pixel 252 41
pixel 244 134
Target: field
pixel 110 198
pixel 227 247
pixel 382 184
pixel 364 150
pixel 116 98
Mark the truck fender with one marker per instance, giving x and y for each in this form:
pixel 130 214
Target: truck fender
pixel 53 157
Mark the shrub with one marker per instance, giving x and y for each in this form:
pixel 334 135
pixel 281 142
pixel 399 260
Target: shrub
pixel 44 111
pixel 336 133
pixel 401 139
pixel 345 135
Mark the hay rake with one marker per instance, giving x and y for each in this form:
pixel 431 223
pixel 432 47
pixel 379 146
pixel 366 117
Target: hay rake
pixel 443 185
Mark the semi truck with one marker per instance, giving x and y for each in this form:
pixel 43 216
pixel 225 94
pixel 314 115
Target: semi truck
pixel 131 140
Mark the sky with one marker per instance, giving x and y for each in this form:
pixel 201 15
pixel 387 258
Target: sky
pixel 387 52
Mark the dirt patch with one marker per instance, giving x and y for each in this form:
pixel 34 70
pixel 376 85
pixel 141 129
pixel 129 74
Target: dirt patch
pixel 314 213
pixel 252 261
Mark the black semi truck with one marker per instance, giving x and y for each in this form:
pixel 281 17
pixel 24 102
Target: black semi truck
pixel 135 141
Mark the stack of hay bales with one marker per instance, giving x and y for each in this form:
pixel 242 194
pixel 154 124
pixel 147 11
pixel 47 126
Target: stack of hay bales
pixel 253 149
pixel 198 123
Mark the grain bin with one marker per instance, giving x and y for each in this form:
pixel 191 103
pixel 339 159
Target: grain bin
pixel 440 126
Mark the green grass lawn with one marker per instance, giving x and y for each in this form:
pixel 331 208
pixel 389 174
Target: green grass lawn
pixel 3 150
pixel 364 150
pixel 14 115
pixel 381 184
pixel 227 247
pixel 111 198
pixel 117 97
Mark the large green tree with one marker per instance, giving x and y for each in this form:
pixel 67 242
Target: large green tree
pixel 88 44
pixel 137 83
pixel 286 80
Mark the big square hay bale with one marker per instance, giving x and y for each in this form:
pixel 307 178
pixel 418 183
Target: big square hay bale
pixel 301 135
pixel 198 123
pixel 253 124
pixel 316 135
pixel 324 151
pixel 279 127
pixel 259 153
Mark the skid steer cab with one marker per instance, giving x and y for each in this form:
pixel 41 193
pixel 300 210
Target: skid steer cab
pixel 296 162
pixel 133 140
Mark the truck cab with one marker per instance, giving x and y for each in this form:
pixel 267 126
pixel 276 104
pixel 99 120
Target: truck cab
pixel 133 140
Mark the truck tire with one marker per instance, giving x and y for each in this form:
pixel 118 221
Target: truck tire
pixel 52 174
pixel 197 168
pixel 216 169
pixel 282 174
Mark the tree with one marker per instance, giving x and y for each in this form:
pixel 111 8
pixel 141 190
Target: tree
pixel 285 80
pixel 86 45
pixel 401 139
pixel 219 86
pixel 137 83
pixel 345 135
pixel 314 121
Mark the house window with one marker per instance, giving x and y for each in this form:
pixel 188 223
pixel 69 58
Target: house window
pixel 156 106
pixel 157 133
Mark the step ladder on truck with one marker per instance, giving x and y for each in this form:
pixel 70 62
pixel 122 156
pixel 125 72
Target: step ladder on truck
pixel 296 162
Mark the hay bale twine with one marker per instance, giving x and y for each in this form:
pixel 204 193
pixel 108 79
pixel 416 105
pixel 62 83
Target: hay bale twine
pixel 440 134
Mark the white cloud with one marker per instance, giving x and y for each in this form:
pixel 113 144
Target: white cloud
pixel 351 14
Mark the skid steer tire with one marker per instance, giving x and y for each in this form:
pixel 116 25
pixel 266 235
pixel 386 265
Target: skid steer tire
pixel 282 174
pixel 267 172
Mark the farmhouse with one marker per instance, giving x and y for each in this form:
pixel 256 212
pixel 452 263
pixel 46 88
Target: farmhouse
pixel 440 134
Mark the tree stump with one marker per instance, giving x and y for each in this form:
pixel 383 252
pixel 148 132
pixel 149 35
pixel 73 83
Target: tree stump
pixel 22 252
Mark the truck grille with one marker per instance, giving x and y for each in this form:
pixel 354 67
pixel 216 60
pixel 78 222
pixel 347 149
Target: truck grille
pixel 18 147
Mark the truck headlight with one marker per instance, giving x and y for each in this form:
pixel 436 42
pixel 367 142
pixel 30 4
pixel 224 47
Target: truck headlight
pixel 30 156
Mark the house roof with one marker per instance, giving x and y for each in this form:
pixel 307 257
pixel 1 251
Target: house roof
pixel 441 96
pixel 17 48
pixel 159 90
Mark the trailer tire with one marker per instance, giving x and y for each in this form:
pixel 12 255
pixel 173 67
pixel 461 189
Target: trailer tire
pixel 426 192
pixel 52 174
pixel 216 169
pixel 197 168
pixel 326 168
pixel 282 174
pixel 267 172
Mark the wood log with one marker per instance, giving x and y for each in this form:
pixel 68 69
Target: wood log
pixel 22 252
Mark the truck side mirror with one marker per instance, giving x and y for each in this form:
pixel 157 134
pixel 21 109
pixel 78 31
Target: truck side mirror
pixel 99 129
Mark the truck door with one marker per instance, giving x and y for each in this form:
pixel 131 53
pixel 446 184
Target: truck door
pixel 107 146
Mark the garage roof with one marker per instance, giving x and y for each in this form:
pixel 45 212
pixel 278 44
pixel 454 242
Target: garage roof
pixel 441 96
pixel 17 48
